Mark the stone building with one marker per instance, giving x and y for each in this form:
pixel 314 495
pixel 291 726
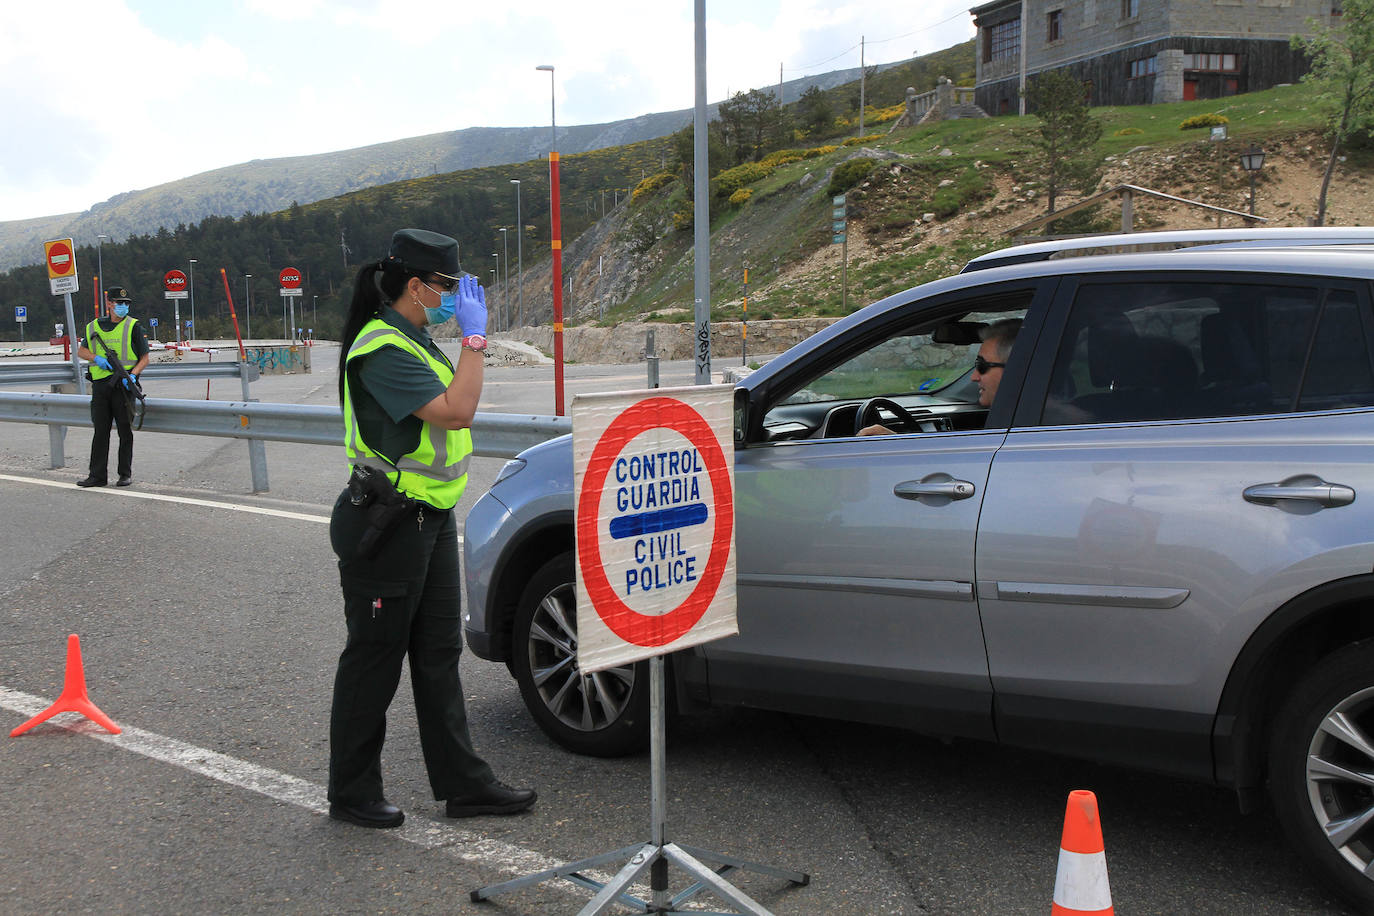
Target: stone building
pixel 1137 52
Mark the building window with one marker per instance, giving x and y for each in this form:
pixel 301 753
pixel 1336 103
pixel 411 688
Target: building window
pixel 1003 41
pixel 1055 25
pixel 1214 63
pixel 1144 66
pixel 1130 9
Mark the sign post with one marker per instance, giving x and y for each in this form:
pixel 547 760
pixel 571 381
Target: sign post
pixel 62 279
pixel 290 280
pixel 21 315
pixel 655 521
pixel 175 283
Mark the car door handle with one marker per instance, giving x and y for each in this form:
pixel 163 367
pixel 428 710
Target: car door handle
pixel 1305 488
pixel 935 485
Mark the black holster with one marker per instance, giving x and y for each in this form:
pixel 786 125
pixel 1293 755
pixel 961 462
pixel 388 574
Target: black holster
pixel 372 489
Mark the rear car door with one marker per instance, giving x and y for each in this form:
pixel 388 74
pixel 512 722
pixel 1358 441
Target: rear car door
pixel 1186 459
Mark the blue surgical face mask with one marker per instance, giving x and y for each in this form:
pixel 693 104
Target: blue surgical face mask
pixel 121 309
pixel 448 304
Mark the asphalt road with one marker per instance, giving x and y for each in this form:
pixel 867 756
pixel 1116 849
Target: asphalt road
pixel 210 624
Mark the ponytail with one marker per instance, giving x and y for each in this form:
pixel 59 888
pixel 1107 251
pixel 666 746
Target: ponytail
pixel 378 284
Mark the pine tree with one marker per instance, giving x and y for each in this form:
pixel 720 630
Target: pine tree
pixel 1066 145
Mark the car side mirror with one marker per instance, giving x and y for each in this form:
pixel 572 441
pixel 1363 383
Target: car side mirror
pixel 958 332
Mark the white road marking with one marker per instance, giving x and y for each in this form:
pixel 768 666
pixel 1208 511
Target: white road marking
pixel 124 492
pixel 422 831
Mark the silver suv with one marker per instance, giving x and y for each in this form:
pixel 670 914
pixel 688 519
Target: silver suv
pixel 1150 543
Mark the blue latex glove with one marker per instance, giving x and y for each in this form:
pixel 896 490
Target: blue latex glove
pixel 472 306
pixel 103 363
pixel 127 383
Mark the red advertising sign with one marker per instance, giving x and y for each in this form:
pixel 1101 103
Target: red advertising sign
pixel 174 280
pixel 290 278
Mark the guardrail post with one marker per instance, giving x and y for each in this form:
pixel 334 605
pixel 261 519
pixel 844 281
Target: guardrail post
pixel 57 435
pixel 257 450
pixel 651 358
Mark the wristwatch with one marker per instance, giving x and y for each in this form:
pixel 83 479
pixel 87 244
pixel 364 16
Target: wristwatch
pixel 475 342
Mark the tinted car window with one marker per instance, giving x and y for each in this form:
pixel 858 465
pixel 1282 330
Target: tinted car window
pixel 1161 351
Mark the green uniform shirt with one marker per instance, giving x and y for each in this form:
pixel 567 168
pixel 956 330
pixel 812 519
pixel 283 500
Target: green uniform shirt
pixel 389 386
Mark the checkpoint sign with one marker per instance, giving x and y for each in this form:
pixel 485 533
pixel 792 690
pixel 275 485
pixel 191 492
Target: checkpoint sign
pixel 61 258
pixel 655 519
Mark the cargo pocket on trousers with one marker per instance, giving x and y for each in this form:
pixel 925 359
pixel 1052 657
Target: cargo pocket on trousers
pixel 377 610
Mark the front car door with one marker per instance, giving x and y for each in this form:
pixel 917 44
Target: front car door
pixel 855 570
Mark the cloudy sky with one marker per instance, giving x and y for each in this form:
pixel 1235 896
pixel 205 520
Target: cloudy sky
pixel 106 96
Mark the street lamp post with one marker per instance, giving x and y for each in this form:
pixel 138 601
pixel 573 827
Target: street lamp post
pixel 496 275
pixel 314 314
pixel 519 257
pixel 556 241
pixel 248 303
pixel 505 275
pixel 193 301
pixel 1252 161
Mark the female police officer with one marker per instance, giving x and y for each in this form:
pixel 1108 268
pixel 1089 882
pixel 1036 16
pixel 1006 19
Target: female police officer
pixel 407 412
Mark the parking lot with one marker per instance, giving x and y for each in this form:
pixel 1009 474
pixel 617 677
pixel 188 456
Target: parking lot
pixel 210 621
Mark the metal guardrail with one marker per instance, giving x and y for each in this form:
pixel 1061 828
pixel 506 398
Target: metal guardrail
pixel 62 373
pixel 494 435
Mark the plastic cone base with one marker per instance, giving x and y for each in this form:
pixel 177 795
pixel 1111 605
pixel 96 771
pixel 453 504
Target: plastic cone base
pixel 73 697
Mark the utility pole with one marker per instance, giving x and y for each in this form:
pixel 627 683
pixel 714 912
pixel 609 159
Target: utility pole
pixel 861 85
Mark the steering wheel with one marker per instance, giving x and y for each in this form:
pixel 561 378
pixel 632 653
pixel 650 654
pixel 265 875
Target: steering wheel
pixel 868 415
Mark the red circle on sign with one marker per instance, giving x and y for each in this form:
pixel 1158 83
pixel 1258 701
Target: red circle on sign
pixel 60 259
pixel 174 280
pixel 290 278
pixel 623 620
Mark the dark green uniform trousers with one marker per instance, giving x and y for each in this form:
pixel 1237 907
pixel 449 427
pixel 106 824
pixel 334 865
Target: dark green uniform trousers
pixel 404 600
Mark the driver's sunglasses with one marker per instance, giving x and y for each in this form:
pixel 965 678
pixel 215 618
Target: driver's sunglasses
pixel 981 366
pixel 445 284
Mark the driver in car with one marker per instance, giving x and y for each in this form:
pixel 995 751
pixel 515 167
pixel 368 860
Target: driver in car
pixel 988 365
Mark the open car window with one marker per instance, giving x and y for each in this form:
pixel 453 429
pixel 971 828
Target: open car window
pixel 923 367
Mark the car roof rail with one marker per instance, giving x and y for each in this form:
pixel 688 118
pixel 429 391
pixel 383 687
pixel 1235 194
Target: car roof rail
pixel 1135 242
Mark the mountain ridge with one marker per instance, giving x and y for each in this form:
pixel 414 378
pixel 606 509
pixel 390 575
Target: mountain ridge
pixel 270 185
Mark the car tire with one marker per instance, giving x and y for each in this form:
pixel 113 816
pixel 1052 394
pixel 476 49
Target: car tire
pixel 605 714
pixel 1320 753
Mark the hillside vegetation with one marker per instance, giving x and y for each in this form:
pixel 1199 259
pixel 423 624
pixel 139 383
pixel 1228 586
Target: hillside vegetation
pixel 921 201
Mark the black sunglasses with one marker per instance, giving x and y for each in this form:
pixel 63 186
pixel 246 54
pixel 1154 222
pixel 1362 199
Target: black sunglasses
pixel 981 366
pixel 445 284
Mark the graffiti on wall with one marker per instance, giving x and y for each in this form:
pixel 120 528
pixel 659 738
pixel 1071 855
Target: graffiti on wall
pixel 280 360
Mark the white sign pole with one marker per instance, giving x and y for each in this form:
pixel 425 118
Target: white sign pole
pixel 71 336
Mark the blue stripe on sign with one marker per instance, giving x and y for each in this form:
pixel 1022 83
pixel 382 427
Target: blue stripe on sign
pixel 629 526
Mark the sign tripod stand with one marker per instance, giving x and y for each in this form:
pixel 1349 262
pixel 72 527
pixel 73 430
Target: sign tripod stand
pixel 655 855
pixel 677 439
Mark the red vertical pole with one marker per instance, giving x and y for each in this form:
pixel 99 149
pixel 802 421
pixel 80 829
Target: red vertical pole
pixel 243 354
pixel 557 232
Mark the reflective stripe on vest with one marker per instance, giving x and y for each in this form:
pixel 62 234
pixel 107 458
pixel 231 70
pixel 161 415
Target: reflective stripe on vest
pixel 118 344
pixel 435 471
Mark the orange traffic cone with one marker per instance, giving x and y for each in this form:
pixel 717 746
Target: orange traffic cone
pixel 73 697
pixel 1080 885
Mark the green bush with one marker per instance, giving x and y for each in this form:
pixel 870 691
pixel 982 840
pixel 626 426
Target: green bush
pixel 650 185
pixel 868 138
pixel 1209 119
pixel 731 180
pixel 970 187
pixel 850 173
pixel 741 197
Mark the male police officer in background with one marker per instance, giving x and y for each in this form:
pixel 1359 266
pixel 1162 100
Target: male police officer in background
pixel 115 337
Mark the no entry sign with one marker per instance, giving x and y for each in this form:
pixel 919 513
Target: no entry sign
pixel 175 283
pixel 655 520
pixel 61 258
